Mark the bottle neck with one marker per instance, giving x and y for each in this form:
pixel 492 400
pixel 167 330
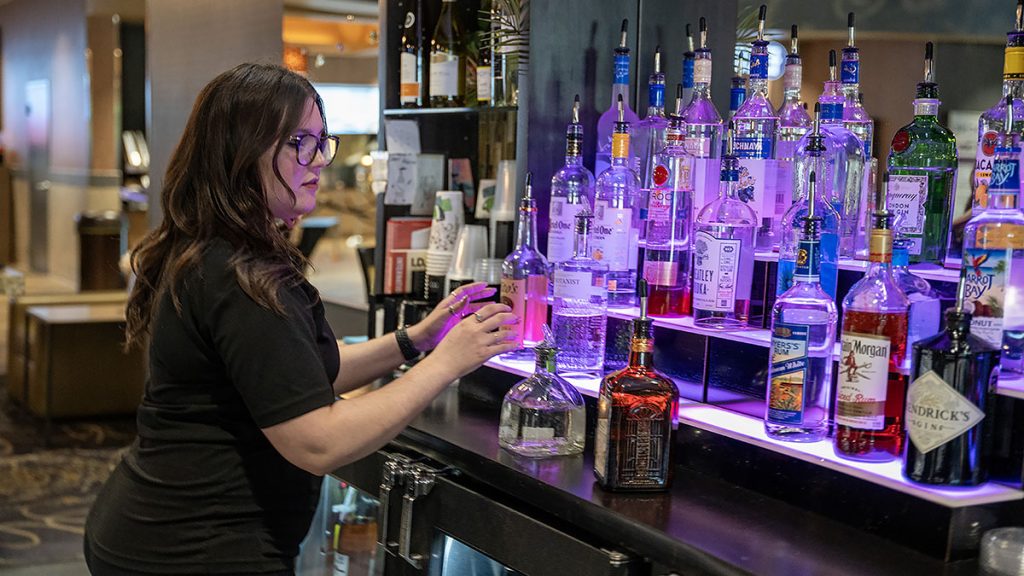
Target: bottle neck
pixel 620 82
pixel 926 108
pixel 656 96
pixel 546 361
pixel 573 144
pixel 641 346
pixel 620 148
pixel 808 261
pixel 581 242
pixel 881 247
pixel 702 74
pixel 998 200
pixel 849 72
pixel 900 256
pixel 526 232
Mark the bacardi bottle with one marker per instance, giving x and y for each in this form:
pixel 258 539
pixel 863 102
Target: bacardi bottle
pixel 606 123
pixel 580 300
pixel 703 125
pixel 572 190
pixel 524 279
pixel 855 118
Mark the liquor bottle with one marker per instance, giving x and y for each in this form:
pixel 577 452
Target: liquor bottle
pixel 543 415
pixel 606 123
pixel 803 328
pixel 499 55
pixel 922 174
pixel 637 409
pixel 855 118
pixel 447 60
pixel 616 235
pixel 754 138
pixel 703 125
pixel 688 59
pixel 872 386
pixel 723 253
pixel 650 134
pixel 737 93
pixel 954 376
pixel 410 63
pixel 580 300
pixel 524 280
pixel 484 59
pixel 793 119
pixel 811 159
pixel 994 257
pixel 572 190
pixel 925 311
pixel 669 215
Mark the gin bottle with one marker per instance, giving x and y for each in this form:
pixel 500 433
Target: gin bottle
pixel 953 380
pixel 924 312
pixel 524 280
pixel 578 313
pixel 872 387
pixel 703 126
pixel 793 119
pixel 637 409
pixel 804 322
pixel 688 59
pixel 723 253
pixel 922 174
pixel 855 118
pixel 543 415
pixel 669 217
pixel 811 159
pixel 572 190
pixel 650 133
pixel 606 123
pixel 616 217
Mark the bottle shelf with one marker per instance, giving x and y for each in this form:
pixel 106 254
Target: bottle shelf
pixel 928 271
pixel 442 111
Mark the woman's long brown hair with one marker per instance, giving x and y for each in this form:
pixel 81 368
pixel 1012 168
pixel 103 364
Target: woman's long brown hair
pixel 213 188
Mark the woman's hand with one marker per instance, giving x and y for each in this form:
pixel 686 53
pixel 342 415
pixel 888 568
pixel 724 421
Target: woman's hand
pixel 476 338
pixel 462 302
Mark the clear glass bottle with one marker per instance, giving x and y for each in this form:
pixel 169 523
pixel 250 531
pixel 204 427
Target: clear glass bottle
pixel 922 174
pixel 543 415
pixel 703 126
pixel 524 279
pixel 952 387
pixel 723 253
pixel 606 123
pixel 484 60
pixel 580 301
pixel 572 190
pixel 447 60
pixel 872 382
pixel 649 136
pixel 410 53
pixel 803 328
pixel 793 119
pixel 925 310
pixel 669 218
pixel 688 58
pixel 737 93
pixel 855 118
pixel 637 410
pixel 616 219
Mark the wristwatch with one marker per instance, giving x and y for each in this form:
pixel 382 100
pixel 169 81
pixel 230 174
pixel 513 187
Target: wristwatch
pixel 409 351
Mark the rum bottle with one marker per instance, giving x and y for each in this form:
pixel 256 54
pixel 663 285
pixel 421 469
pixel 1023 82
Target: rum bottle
pixel 611 117
pixel 578 312
pixel 703 126
pixel 447 60
pixel 572 190
pixel 524 279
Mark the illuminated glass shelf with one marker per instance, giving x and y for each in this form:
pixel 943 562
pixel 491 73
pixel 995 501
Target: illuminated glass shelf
pixel 930 272
pixel 1013 387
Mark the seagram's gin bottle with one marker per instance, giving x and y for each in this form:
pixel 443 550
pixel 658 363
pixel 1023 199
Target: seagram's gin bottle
pixel 703 126
pixel 524 279
pixel 572 190
pixel 578 313
pixel 855 118
pixel 606 123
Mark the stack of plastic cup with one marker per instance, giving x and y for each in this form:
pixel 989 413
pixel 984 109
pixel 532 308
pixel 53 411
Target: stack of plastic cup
pixel 449 218
pixel 503 213
pixel 469 248
pixel 1002 552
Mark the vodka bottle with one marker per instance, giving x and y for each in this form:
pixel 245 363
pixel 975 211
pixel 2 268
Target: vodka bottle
pixel 616 235
pixel 723 253
pixel 737 93
pixel 572 190
pixel 793 119
pixel 578 314
pixel 606 123
pixel 543 415
pixel 810 159
pixel 703 126
pixel 804 322
pixel 922 175
pixel 754 139
pixel 524 279
pixel 925 309
pixel 650 134
pixel 688 59
pixel 855 118
pixel 669 216
pixel 447 60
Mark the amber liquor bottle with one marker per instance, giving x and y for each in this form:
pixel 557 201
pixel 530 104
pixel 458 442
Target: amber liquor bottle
pixel 637 411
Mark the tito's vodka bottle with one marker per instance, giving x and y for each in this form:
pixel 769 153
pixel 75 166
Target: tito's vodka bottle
pixel 572 190
pixel 581 298
pixel 703 125
pixel 855 118
pixel 524 279
pixel 637 409
pixel 803 335
pixel 872 386
pixel 620 91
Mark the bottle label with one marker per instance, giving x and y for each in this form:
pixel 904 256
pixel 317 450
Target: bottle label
pixel 937 413
pixel 788 373
pixel 702 71
pixel 621 69
pixel 756 181
pixel 643 443
pixel 341 564
pixel 562 227
pixel 759 66
pixel 716 272
pixel 574 285
pixel 483 84
pixel 1005 175
pixel 990 275
pixel 444 75
pixel 527 298
pixel 513 295
pixel 612 237
pixel 620 145
pixel 752 146
pixel 698 146
pixel 808 261
pixel 537 434
pixel 688 74
pixel 863 381
pixel 906 196
pixel 661 273
pixel 409 85
pixel 926 106
pixel 850 70
pixel 831 110
pixel 985 155
pixel 656 95
pixel 792 77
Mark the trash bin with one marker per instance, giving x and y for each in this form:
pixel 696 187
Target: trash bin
pixel 99 241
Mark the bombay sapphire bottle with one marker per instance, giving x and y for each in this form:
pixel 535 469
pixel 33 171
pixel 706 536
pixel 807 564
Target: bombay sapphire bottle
pixel 688 57
pixel 578 313
pixel 649 136
pixel 855 118
pixel 572 190
pixel 703 126
pixel 723 254
pixel 606 123
pixel 804 322
pixel 543 415
pixel 524 279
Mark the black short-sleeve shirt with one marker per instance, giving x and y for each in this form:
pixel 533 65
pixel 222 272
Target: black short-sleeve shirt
pixel 202 490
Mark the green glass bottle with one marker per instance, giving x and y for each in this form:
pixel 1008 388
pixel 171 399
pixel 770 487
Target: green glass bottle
pixel 922 174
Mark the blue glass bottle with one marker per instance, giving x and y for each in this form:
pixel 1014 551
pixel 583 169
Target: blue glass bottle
pixel 578 313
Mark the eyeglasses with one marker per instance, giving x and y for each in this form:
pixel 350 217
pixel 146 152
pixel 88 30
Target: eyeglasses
pixel 307 145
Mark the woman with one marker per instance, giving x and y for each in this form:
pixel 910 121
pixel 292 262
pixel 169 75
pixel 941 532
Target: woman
pixel 239 417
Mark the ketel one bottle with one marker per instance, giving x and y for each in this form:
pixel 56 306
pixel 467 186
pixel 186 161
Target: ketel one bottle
pixel 572 190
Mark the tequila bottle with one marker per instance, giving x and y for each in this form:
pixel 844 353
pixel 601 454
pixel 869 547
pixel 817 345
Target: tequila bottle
pixel 954 374
pixel 543 415
pixel 703 126
pixel 637 409
pixel 723 253
pixel 872 387
pixel 793 119
pixel 616 217
pixel 688 59
pixel 804 322
pixel 922 174
pixel 606 123
pixel 650 133
pixel 572 190
pixel 855 118
pixel 524 279
pixel 578 313
pixel 925 311
pixel 669 216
